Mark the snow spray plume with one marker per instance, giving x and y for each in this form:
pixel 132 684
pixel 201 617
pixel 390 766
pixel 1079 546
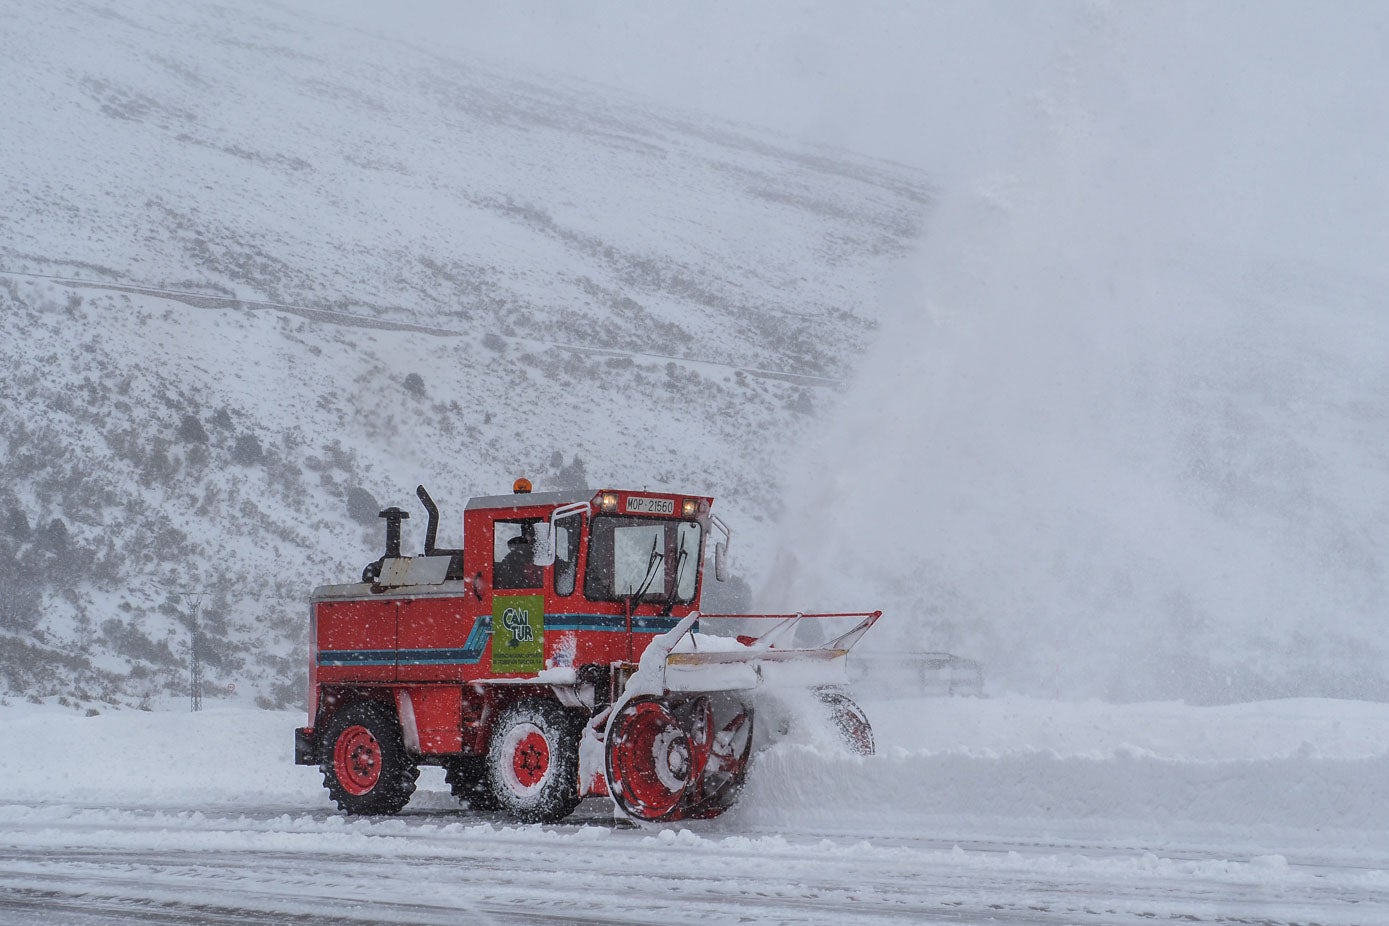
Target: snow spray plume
pixel 1122 441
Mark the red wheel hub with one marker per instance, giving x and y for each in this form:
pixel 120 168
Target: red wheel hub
pixel 357 760
pixel 531 759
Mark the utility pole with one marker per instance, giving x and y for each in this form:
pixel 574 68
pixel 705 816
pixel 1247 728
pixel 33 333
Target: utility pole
pixel 195 668
pixel 193 602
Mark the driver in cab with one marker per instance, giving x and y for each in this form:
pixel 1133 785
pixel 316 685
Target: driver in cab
pixel 518 569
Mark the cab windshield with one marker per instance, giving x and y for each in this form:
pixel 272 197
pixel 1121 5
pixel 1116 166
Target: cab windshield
pixel 657 560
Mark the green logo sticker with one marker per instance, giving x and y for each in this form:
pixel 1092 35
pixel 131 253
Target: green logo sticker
pixel 518 633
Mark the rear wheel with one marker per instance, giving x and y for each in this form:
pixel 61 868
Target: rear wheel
pixel 365 767
pixel 533 761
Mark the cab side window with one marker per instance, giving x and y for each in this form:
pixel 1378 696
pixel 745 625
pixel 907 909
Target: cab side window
pixel 513 556
pixel 567 554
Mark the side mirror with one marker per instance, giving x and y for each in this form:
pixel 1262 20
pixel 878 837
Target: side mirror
pixel 544 549
pixel 721 561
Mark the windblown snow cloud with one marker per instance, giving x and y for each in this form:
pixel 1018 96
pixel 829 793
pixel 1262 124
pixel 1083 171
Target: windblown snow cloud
pixel 1120 435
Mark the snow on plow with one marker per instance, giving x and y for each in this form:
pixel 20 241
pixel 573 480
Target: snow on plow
pixel 557 654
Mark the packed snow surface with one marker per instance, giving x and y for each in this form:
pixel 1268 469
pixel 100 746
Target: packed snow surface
pixel 974 810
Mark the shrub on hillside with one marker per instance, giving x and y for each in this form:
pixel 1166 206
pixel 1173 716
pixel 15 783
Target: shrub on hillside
pixel 247 450
pixel 191 430
pixel 362 506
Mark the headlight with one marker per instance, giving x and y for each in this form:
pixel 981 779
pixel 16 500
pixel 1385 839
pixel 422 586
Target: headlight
pixel 607 501
pixel 689 507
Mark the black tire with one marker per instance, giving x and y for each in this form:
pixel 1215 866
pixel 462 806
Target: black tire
pixel 467 779
pixel 533 761
pixel 365 767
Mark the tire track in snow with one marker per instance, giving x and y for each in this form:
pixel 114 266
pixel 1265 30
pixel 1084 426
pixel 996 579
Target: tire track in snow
pixel 131 865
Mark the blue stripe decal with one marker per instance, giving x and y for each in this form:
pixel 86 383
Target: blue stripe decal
pixel 609 622
pixel 437 657
pixel 356 657
pixel 585 622
pixel 477 638
pixel 469 654
pixel 655 624
pixel 471 651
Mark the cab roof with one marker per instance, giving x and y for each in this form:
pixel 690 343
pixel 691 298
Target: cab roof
pixel 554 499
pixel 528 499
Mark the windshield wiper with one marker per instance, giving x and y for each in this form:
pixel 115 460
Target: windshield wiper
pixel 652 562
pixel 680 557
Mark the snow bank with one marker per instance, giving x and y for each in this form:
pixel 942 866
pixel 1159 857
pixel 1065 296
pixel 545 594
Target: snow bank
pixel 796 787
pixel 215 758
pixel 1298 763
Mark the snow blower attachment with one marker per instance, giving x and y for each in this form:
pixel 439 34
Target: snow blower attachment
pixel 557 654
pixel 679 739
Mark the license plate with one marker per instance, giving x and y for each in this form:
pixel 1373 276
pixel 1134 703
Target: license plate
pixel 640 504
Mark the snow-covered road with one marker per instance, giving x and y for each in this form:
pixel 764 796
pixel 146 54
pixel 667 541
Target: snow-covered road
pixel 179 818
pixel 85 865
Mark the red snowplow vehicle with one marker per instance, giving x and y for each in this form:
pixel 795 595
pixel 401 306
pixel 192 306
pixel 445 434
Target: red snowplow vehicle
pixel 559 653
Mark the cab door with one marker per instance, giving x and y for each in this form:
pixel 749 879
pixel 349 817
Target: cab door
pixel 513 594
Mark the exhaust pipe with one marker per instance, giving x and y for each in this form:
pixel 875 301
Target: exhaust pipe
pixel 431 536
pixel 431 533
pixel 393 518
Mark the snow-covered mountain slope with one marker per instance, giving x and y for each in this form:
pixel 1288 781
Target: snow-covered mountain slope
pixel 430 271
pixel 250 150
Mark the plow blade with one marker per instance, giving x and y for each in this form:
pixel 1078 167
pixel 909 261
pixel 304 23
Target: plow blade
pixel 683 660
pixel 676 745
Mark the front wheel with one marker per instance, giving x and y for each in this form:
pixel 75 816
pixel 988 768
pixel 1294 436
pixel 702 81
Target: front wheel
pixel 365 766
pixel 533 762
